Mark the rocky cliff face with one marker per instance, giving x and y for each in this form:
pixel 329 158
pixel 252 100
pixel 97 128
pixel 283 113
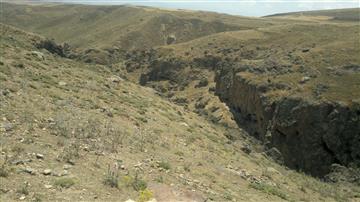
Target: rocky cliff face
pixel 308 135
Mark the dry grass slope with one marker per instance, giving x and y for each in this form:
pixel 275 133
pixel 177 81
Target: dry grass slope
pixel 73 132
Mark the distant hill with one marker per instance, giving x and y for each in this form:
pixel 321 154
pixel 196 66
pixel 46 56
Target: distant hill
pixel 122 26
pixel 349 14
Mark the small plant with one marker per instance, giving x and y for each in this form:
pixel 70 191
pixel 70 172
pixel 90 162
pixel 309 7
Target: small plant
pixel 160 179
pixel 70 152
pixel 62 125
pixel 227 196
pixel 127 180
pixel 3 169
pixel 114 135
pixel 24 189
pixel 139 184
pixel 64 182
pixel 111 178
pixel 179 153
pixel 145 195
pixel 268 189
pixel 187 167
pixel 37 198
pixel 164 165
pixel 17 149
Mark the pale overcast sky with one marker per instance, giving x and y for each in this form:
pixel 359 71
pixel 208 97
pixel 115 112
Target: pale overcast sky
pixel 237 7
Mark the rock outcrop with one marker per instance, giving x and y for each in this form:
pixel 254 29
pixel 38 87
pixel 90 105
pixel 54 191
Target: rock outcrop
pixel 310 135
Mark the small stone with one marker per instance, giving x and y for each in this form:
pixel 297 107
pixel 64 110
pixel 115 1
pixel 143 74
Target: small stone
pixel 86 148
pixel 7 126
pixel 30 171
pixel 72 162
pixel 48 186
pixel 65 172
pixel 62 83
pixel 39 156
pixel 305 50
pixel 129 200
pixel 122 167
pixel 67 167
pixel 17 162
pixel 184 124
pixel 47 171
pixel 115 79
pixel 22 198
pixel 304 79
pixel 246 149
pixel 38 54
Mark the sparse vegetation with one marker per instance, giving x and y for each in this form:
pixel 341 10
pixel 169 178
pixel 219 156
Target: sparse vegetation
pixel 82 116
pixel 70 152
pixel 269 189
pixel 64 182
pixel 145 195
pixel 24 189
pixel 139 184
pixel 164 165
pixel 4 170
pixel 112 177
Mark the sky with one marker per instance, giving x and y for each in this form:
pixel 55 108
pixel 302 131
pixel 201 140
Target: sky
pixel 235 7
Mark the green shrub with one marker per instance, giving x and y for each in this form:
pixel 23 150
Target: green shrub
pixel 64 182
pixel 268 189
pixel 111 179
pixel 4 171
pixel 145 195
pixel 164 165
pixel 139 184
pixel 24 190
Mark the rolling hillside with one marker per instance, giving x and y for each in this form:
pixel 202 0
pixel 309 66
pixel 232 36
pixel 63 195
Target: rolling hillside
pixel 124 27
pixel 159 105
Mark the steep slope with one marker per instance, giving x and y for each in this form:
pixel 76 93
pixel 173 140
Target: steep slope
pixel 124 27
pixel 71 131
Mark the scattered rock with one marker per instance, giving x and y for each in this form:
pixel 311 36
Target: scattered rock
pixel 38 54
pixel 39 156
pixel 304 79
pixel 30 171
pixel 171 39
pixel 341 173
pixel 17 162
pixel 48 186
pixel 130 200
pixel 67 167
pixel 7 126
pixel 22 198
pixel 47 171
pixel 246 149
pixel 115 79
pixel 184 124
pixel 62 83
